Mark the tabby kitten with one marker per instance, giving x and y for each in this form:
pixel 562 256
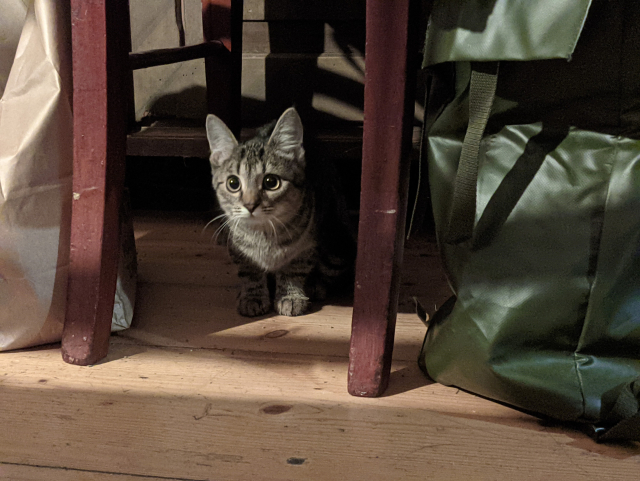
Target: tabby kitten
pixel 283 215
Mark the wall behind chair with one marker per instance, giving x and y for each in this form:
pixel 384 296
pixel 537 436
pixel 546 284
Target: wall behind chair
pixel 308 53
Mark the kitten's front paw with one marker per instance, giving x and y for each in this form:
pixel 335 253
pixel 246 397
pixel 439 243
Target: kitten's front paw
pixel 292 305
pixel 253 306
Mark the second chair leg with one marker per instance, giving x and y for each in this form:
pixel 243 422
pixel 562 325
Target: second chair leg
pixel 100 50
pixel 388 113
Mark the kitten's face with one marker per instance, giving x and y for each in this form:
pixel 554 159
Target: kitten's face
pixel 259 183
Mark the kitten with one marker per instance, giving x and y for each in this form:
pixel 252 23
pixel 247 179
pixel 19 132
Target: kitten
pixel 284 218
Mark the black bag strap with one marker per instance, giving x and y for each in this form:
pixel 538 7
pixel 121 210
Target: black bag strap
pixel 623 422
pixel 482 90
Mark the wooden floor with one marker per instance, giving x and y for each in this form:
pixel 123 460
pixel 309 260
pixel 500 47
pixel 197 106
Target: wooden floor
pixel 195 392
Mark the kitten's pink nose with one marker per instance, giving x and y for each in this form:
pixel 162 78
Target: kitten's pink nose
pixel 251 207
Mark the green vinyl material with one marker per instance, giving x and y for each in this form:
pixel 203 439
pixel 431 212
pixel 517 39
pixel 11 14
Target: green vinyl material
pixel 482 30
pixel 546 313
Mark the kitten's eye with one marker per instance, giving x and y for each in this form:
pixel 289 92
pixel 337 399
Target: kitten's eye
pixel 271 182
pixel 233 183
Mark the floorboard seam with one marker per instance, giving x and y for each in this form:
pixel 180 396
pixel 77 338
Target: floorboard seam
pixel 137 342
pixel 96 471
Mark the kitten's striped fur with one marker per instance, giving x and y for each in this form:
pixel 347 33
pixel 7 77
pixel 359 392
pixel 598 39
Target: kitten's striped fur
pixel 283 217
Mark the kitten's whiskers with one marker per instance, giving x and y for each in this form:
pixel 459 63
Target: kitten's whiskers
pixel 283 225
pixel 275 232
pixel 219 230
pixel 211 222
pixel 235 225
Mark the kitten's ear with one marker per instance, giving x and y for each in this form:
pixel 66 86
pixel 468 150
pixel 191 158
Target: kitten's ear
pixel 287 135
pixel 221 140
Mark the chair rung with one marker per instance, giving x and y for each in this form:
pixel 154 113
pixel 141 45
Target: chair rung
pixel 164 56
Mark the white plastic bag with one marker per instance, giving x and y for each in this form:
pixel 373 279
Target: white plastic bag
pixel 36 161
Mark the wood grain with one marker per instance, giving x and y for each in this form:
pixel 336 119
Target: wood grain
pixel 211 414
pixel 193 392
pixel 184 275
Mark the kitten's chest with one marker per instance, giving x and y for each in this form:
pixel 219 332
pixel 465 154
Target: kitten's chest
pixel 270 253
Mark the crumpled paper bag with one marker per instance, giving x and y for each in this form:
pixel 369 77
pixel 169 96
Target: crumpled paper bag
pixel 12 15
pixel 36 161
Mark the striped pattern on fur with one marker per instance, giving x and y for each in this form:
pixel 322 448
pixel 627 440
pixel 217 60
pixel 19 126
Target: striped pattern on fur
pixel 283 218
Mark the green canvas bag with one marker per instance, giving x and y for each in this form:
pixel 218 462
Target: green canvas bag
pixel 532 138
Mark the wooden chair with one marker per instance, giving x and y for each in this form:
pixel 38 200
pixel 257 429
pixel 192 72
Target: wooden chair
pixel 389 92
pixel 103 110
pixel 100 47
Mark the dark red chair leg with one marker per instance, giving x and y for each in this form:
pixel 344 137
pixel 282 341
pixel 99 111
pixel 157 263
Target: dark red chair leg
pixel 99 39
pixel 388 111
pixel 222 20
